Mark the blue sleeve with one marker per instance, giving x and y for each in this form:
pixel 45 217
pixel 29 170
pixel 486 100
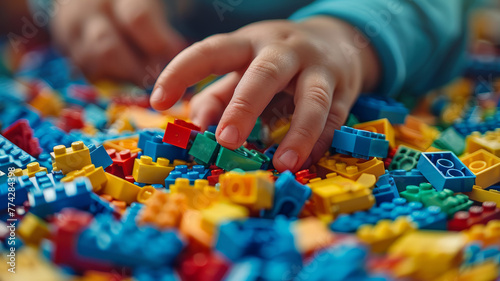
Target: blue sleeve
pixel 420 43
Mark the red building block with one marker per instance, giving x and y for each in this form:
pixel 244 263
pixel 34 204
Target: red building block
pixel 67 226
pixel 21 134
pixel 179 133
pixel 476 215
pixel 203 266
pixel 304 176
pixel 213 179
pixel 71 118
pixel 123 162
pixel 83 93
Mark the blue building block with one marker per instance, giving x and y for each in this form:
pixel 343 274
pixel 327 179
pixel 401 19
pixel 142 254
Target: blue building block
pixel 13 113
pixel 155 148
pixel 269 152
pixel 95 115
pixel 430 218
pixel 45 160
pixel 12 156
pixel 75 194
pixel 474 254
pixel 155 274
pixel 100 206
pixel 445 170
pixel 270 240
pixel 181 171
pixel 12 192
pixel 99 157
pixel 466 128
pixel 404 178
pixel 246 269
pixel 147 135
pixel 371 107
pixel 385 189
pixel 109 240
pixel 359 143
pixel 49 136
pixel 289 197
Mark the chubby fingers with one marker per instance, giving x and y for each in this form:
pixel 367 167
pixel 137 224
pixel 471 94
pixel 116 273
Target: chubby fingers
pixel 313 99
pixel 218 54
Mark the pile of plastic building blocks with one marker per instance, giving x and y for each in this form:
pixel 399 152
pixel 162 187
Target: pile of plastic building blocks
pixel 95 185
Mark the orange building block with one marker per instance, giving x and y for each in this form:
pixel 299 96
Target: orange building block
pixel 488 234
pixel 123 144
pixel 415 134
pixel 199 196
pixel 164 210
pixel 380 126
pixel 311 234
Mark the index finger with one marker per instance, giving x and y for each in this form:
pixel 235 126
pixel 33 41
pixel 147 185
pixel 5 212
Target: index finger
pixel 218 54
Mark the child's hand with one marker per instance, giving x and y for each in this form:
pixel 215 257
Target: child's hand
pixel 115 39
pixel 324 62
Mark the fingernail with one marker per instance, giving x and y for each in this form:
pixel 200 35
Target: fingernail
pixel 158 95
pixel 289 158
pixel 229 134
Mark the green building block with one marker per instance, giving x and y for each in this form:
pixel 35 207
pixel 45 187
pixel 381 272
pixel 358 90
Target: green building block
pixel 451 140
pixel 240 158
pixel 204 148
pixel 449 203
pixel 256 133
pixel 351 120
pixel 405 158
pixel 415 193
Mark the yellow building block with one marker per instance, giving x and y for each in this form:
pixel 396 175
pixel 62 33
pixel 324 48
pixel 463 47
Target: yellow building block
pixel 279 133
pixel 254 190
pixel 490 141
pixel 199 196
pixel 191 228
pixel 380 126
pixel 48 103
pixel 123 144
pixel 32 229
pixel 72 158
pixel 349 167
pixel 481 195
pixel 219 212
pixel 33 168
pixel 147 171
pixel 427 254
pixel 164 210
pixel 97 176
pixel 415 134
pixel 488 234
pixel 381 236
pixel 123 190
pixel 311 234
pixel 336 195
pixel 484 165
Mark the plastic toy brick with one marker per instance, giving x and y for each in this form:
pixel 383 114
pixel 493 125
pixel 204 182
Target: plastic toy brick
pixel 99 156
pixel 71 119
pixel 74 194
pixel 191 228
pixel 123 144
pixel 431 253
pixel 336 195
pixel 475 215
pixel 157 148
pixel 218 212
pixel 114 241
pixel 199 196
pixel 12 156
pixel 100 205
pixel 373 107
pixel 490 142
pixel 241 158
pixel 475 254
pixel 415 193
pixel 97 177
pixel 69 159
pixel 380 237
pixel 123 190
pixel 123 162
pixel 33 168
pixel 21 134
pixel 213 178
pixel 311 234
pixel 403 178
pixel 449 203
pixel 304 176
pixel 349 167
pixel 147 171
pixel 359 143
pixel 405 159
pixel 289 197
pixel 279 132
pixel 204 148
pixel 445 170
pixel 32 230
pixel 430 218
pixel 488 234
pixel 482 195
pixel 385 189
pixel 164 210
pixel 40 181
pixel 147 135
pixel 254 190
pixel 181 171
pixel 450 140
pixel 179 133
pixel 203 266
pixel 381 126
pixel 415 134
pixel 467 128
pixel 484 165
